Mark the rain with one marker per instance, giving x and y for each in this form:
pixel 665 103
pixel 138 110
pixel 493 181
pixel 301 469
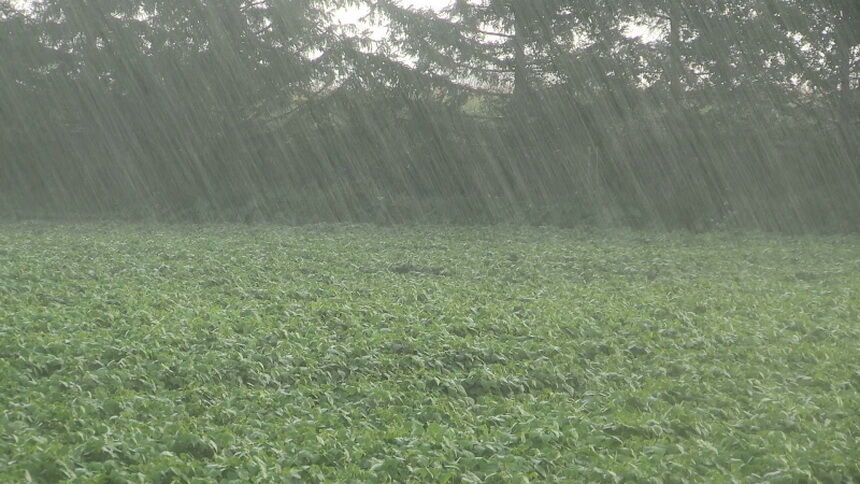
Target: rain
pixel 429 240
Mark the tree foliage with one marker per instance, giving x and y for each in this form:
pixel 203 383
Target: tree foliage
pixel 644 112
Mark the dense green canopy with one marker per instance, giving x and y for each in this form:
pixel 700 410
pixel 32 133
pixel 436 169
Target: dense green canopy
pixel 725 112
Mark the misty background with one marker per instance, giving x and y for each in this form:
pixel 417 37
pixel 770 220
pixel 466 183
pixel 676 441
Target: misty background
pixel 642 113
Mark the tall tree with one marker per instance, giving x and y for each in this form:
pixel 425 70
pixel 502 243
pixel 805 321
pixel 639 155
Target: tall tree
pixel 833 33
pixel 186 88
pixel 511 45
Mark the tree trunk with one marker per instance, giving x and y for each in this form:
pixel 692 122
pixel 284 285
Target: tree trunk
pixel 843 49
pixel 521 80
pixel 675 68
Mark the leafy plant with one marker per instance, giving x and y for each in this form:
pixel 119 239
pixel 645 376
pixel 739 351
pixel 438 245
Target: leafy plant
pixel 352 353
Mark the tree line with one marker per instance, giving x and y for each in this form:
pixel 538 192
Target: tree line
pixel 645 113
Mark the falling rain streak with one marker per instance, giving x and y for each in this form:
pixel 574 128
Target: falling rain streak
pixel 467 241
pixel 650 113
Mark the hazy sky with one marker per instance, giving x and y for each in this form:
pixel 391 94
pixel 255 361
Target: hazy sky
pixel 352 15
pixel 413 3
pixel 427 3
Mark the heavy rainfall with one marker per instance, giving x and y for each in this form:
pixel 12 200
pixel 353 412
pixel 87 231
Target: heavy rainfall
pixel 429 241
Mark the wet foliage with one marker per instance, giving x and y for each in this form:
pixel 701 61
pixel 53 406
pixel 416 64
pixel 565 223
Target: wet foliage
pixel 649 113
pixel 350 353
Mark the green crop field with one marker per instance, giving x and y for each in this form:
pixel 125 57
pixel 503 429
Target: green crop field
pixel 356 354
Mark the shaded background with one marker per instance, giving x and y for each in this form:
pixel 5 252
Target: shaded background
pixel 643 113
